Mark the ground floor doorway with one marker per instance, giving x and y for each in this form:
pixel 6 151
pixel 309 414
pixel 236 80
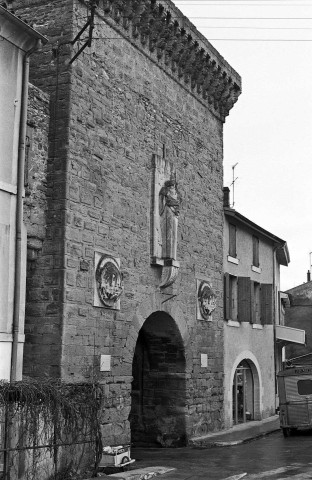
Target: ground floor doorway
pixel 159 387
pixel 243 394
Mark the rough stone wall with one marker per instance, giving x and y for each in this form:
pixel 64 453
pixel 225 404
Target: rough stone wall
pixel 113 109
pixel 39 332
pixel 124 110
pixel 45 282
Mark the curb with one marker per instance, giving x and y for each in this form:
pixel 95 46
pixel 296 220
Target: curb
pixel 138 474
pixel 219 443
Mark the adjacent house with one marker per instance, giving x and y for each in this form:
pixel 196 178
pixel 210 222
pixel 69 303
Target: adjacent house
pixel 298 315
pixel 254 331
pixel 125 282
pixel 18 43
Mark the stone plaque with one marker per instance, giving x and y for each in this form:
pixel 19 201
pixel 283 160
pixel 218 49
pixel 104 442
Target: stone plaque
pixel 204 360
pixel 105 363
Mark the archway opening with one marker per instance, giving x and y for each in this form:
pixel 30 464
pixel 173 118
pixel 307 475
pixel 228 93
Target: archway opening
pixel 244 406
pixel 157 414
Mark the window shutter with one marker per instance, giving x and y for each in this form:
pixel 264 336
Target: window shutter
pixel 252 303
pixel 244 299
pixel 266 303
pixel 227 309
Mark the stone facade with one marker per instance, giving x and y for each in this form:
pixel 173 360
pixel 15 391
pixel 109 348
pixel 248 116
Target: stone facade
pixel 124 100
pixel 38 332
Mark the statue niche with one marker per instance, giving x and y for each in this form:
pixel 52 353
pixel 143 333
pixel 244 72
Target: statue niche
pixel 164 220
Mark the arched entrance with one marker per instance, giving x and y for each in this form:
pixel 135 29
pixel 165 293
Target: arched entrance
pixel 157 414
pixel 244 393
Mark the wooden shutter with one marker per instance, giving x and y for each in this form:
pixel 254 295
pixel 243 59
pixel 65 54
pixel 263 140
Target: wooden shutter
pixel 266 303
pixel 252 303
pixel 244 299
pixel 226 293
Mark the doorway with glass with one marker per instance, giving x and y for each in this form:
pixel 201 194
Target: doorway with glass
pixel 243 394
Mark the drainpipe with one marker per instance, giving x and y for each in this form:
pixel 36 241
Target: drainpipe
pixel 19 210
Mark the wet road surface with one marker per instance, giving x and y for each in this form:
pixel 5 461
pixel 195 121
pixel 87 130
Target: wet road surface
pixel 270 457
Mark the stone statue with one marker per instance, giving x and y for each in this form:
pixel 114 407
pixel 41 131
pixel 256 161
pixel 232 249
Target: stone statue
pixel 169 204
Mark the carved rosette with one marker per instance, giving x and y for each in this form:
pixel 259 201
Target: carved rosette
pixel 156 27
pixel 206 300
pixel 108 282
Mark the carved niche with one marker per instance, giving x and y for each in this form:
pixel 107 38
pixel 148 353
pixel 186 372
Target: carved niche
pixel 108 281
pixel 164 220
pixel 206 300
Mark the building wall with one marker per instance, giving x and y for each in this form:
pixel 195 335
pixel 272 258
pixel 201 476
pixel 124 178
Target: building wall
pixel 112 110
pixel 244 340
pixel 10 80
pixel 299 315
pixel 16 39
pixel 244 254
pixel 38 284
pixel 46 202
pixel 256 346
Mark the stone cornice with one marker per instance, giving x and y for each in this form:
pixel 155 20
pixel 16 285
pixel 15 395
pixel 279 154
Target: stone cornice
pixel 162 30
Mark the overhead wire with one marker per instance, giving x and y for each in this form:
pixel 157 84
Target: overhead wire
pixel 280 4
pixel 196 2
pixel 258 5
pixel 210 27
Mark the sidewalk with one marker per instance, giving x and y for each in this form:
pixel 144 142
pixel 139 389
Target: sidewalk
pixel 172 456
pixel 238 434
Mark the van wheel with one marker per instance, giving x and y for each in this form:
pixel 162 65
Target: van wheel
pixel 123 461
pixel 286 432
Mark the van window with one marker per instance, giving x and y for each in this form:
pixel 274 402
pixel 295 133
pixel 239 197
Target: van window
pixel 304 387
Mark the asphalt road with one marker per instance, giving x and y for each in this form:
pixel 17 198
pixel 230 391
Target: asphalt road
pixel 270 457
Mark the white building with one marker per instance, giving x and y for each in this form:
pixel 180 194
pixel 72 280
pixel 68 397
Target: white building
pixel 18 42
pixel 254 331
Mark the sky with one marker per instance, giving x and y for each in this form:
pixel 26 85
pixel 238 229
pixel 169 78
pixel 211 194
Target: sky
pixel 268 133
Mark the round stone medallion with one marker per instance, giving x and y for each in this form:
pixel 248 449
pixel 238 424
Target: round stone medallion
pixel 206 300
pixel 109 280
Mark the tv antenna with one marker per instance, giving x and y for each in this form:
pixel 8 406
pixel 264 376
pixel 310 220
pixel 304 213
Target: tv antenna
pixel 233 183
pixel 310 267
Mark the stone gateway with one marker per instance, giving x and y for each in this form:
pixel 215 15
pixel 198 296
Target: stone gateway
pixel 133 190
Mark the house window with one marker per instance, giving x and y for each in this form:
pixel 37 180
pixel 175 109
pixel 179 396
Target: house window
pixel 233 297
pixel 232 240
pixel 255 251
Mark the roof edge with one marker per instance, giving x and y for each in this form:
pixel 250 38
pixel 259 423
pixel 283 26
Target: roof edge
pixel 18 22
pixel 282 247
